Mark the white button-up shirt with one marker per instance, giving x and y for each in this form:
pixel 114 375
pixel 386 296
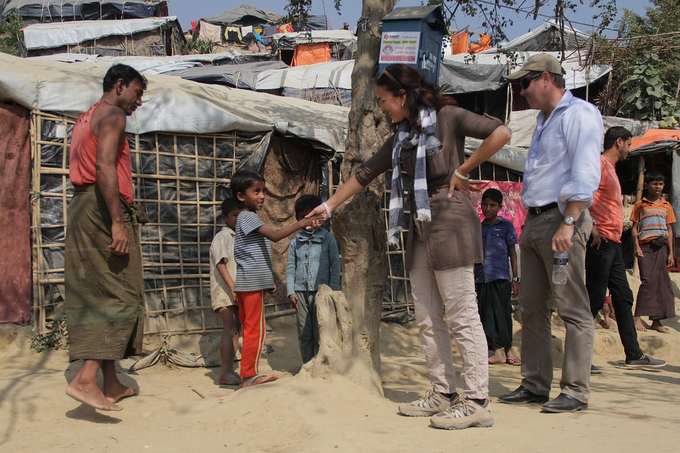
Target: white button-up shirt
pixel 564 158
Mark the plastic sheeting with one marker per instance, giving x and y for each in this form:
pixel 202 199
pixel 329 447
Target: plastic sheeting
pixel 345 37
pixel 244 15
pixel 306 54
pixel 58 10
pixel 172 104
pixel 546 38
pixel 457 77
pixel 576 76
pixel 336 74
pixel 15 222
pixel 59 34
pixel 160 64
pixel 234 75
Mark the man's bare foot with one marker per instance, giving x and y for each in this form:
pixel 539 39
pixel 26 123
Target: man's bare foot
pixel 92 396
pixel 656 325
pixel 229 379
pixel 118 392
pixel 640 325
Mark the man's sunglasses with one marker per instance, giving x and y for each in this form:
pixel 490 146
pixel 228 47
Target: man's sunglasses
pixel 524 82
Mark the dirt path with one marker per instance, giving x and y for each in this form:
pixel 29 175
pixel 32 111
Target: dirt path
pixel 181 410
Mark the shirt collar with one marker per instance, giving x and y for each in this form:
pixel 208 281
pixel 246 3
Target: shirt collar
pixel 565 102
pixel 316 236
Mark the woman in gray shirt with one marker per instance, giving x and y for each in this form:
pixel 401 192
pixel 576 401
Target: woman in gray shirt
pixel 426 156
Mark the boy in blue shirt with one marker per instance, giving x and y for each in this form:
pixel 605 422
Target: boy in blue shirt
pixel 313 260
pixel 492 279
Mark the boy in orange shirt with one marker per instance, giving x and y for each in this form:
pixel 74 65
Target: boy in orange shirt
pixel 653 218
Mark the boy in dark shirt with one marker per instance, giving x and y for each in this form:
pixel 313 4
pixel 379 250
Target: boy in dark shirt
pixel 492 279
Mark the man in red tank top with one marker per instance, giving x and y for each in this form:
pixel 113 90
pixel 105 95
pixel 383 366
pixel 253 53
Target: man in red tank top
pixel 103 272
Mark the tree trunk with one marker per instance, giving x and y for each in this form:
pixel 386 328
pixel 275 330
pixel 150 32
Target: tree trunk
pixel 359 225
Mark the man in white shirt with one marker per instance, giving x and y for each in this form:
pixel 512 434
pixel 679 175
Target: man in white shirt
pixel 561 173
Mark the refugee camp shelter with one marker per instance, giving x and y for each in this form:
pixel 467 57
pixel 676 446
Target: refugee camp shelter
pixel 39 11
pixel 149 36
pixel 315 46
pixel 478 79
pixel 163 64
pixel 234 24
pixel 186 141
pixel 656 150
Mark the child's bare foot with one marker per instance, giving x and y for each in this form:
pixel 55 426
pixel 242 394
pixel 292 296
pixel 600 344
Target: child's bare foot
pixel 91 395
pixel 640 325
pixel 229 379
pixel 258 379
pixel 116 392
pixel 656 325
pixel 496 358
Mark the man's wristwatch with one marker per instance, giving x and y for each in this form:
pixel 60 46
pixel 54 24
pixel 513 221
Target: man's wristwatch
pixel 515 280
pixel 569 220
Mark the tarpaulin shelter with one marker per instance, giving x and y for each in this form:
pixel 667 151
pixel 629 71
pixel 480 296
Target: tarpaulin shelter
pixel 343 43
pixel 306 54
pixel 32 11
pixel 244 76
pixel 186 142
pixel 165 64
pixel 234 24
pixel 546 38
pixel 476 69
pixel 244 15
pixel 150 36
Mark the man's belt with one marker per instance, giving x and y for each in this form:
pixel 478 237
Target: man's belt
pixel 538 210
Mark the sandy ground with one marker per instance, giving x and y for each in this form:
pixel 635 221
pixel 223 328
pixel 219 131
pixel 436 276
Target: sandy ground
pixel 181 410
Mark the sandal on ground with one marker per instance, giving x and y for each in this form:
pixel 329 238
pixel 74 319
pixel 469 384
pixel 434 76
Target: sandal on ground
pixel 514 361
pixel 258 379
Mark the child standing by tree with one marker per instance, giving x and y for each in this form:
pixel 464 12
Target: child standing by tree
pixel 653 218
pixel 254 276
pixel 222 273
pixel 313 260
pixel 493 279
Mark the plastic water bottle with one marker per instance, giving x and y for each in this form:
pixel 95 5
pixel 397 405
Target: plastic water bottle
pixel 560 268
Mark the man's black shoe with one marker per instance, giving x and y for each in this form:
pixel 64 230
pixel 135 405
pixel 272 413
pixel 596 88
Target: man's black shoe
pixel 522 396
pixel 564 403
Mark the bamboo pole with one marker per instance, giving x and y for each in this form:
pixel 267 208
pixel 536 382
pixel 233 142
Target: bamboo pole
pixel 641 179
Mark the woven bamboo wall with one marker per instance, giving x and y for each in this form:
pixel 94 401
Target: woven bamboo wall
pixel 181 181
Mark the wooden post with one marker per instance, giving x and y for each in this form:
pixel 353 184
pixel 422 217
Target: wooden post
pixel 641 179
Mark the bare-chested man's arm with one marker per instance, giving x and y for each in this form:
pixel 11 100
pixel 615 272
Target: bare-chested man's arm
pixel 111 131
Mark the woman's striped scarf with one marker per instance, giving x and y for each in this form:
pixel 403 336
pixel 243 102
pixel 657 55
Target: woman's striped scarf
pixel 427 144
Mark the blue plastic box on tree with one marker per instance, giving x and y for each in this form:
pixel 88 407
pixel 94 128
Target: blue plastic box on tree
pixel 413 36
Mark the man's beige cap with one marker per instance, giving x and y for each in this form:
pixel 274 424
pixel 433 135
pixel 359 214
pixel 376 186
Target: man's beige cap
pixel 538 63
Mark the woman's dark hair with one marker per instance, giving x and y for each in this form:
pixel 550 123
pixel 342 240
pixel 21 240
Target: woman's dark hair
pixel 229 205
pixel 121 72
pixel 613 134
pixel 400 78
pixel 242 180
pixel 305 204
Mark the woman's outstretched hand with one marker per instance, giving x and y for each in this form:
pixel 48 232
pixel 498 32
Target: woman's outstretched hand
pixel 321 213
